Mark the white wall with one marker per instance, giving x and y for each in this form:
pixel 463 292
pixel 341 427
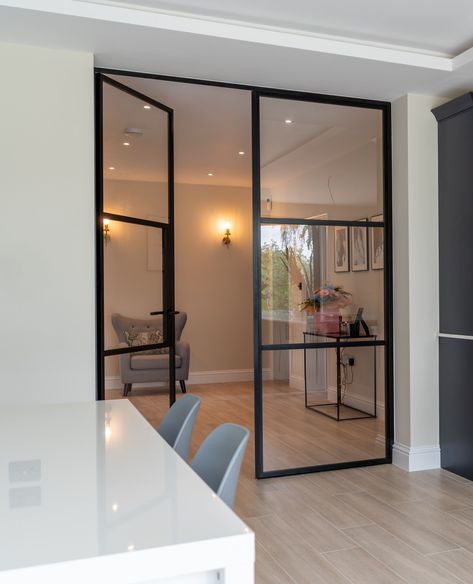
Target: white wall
pixel 415 241
pixel 47 346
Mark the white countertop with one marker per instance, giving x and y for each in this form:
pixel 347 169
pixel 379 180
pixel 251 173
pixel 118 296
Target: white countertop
pixel 92 481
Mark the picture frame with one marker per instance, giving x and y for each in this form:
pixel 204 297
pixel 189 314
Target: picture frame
pixel 359 248
pixel 377 244
pixel 341 249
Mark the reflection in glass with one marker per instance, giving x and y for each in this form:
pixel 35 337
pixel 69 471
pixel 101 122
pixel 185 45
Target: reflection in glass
pixel 133 281
pixel 135 157
pixel 297 434
pixel 328 160
pixel 303 287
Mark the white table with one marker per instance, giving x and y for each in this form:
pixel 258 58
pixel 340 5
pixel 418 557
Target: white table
pixel 90 492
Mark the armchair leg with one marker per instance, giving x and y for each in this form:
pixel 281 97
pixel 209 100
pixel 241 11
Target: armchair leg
pixel 182 383
pixel 126 389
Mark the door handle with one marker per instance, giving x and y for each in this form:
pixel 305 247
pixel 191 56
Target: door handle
pixel 168 312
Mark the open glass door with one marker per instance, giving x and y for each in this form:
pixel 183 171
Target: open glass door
pixel 135 239
pixel 323 338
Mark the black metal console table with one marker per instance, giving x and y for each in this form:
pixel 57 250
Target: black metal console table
pixel 339 404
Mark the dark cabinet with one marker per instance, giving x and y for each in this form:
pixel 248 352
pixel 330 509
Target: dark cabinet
pixel 455 148
pixel 456 406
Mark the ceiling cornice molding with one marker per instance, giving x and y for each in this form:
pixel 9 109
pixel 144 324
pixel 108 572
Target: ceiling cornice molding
pixel 246 32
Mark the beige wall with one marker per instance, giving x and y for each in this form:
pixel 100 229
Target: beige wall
pixel 47 298
pixel 214 283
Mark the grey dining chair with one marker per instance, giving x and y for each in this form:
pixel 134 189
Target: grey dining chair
pixel 177 425
pixel 218 460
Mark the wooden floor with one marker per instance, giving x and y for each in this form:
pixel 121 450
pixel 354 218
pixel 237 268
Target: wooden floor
pixel 372 525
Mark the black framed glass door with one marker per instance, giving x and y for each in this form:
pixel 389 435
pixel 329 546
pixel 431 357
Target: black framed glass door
pixel 135 236
pixel 322 300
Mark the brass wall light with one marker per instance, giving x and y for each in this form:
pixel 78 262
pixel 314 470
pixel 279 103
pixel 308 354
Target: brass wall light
pixel 227 235
pixel 106 230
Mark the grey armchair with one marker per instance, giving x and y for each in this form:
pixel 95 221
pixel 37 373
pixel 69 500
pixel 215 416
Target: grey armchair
pixel 139 368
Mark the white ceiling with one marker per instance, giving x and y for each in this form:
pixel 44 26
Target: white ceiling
pixel 213 124
pixel 427 25
pixel 267 43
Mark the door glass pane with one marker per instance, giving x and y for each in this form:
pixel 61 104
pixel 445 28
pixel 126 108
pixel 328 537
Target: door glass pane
pixel 133 281
pixel 310 282
pixel 320 158
pixel 135 156
pixel 302 423
pixel 321 284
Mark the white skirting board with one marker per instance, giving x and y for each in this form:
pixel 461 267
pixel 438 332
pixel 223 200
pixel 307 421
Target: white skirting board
pixel 358 401
pixel 412 458
pixel 199 377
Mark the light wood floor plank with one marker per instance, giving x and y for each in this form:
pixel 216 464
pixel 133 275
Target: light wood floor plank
pixel 458 563
pixel 400 557
pixel 361 568
pixel 464 515
pixel 323 501
pixel 268 570
pixel 406 528
pixel 439 522
pixel 415 485
pixel 300 560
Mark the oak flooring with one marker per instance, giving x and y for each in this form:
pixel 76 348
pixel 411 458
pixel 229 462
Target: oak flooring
pixel 372 525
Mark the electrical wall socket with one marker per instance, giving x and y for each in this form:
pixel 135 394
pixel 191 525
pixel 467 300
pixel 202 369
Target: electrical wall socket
pixel 348 360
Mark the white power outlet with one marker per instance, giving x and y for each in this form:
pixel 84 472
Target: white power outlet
pixel 348 360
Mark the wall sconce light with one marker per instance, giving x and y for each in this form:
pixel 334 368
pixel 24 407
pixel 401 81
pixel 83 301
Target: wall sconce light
pixel 106 230
pixel 227 235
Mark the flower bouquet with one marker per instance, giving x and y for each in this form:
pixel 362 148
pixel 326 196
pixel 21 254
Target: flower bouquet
pixel 325 304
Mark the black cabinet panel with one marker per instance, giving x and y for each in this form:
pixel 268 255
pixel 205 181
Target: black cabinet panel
pixel 456 406
pixel 456 223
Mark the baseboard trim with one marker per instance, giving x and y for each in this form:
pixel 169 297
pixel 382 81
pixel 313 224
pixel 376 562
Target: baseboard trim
pixel 358 401
pixel 412 458
pixel 225 376
pixel 199 377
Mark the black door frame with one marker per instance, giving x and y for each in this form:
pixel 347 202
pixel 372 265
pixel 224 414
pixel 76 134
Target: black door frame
pixel 167 230
pixel 385 108
pixel 258 221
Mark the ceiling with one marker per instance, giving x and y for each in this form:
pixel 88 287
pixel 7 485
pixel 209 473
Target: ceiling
pixel 212 126
pixel 365 48
pixel 443 27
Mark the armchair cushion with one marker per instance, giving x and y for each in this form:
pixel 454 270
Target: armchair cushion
pixel 123 323
pixel 141 361
pixel 138 339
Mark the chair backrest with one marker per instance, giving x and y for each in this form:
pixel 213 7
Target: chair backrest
pixel 218 460
pixel 124 323
pixel 177 425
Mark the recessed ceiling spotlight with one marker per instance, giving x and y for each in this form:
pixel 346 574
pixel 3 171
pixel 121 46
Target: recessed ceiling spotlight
pixel 126 143
pixel 288 121
pixel 115 507
pixel 210 174
pixel 111 168
pixel 146 107
pixel 241 153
